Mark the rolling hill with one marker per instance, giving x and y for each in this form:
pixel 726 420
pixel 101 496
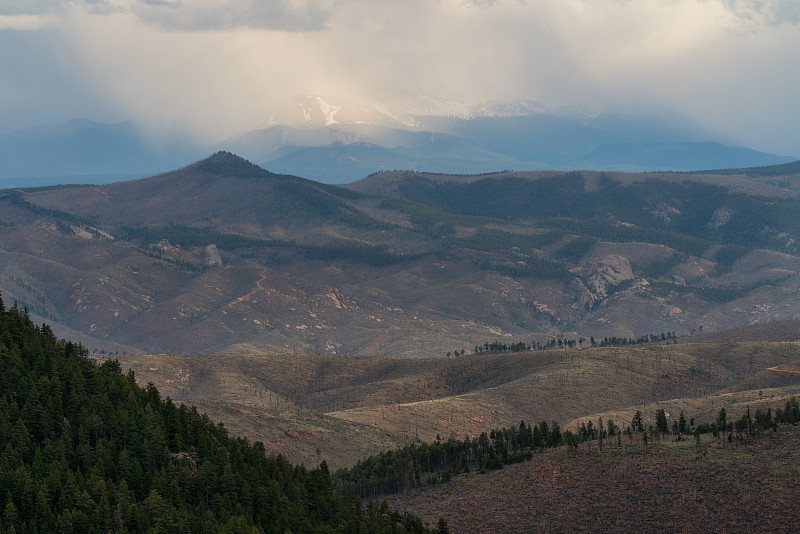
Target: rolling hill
pixel 134 459
pixel 683 487
pixel 336 323
pixel 344 408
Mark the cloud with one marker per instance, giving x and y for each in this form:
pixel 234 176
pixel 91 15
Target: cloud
pixel 480 3
pixel 196 15
pixel 23 22
pixel 204 65
pixel 284 15
pixel 28 7
pixel 771 12
pixel 164 3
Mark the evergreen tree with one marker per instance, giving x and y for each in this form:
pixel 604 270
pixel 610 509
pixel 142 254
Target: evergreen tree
pixel 636 423
pixel 661 421
pixel 85 449
pixel 722 419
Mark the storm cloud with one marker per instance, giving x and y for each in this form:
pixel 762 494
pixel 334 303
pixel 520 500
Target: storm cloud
pixel 204 66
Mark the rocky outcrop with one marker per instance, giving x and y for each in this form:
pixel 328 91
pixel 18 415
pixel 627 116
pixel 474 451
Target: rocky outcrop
pixel 578 292
pixel 190 458
pixel 721 217
pixel 211 257
pixel 665 212
pixel 607 272
pixel 599 276
pixel 332 296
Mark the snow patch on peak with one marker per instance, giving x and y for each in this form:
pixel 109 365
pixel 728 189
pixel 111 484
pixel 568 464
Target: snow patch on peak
pixel 410 111
pixel 422 104
pixel 306 114
pixel 507 108
pixel 328 110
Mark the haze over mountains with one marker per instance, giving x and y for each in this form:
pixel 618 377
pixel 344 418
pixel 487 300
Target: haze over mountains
pixel 498 255
pixel 338 141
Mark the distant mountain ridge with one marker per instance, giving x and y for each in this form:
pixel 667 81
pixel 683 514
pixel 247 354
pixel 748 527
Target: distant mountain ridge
pixel 341 163
pixel 675 157
pixel 340 141
pixel 82 147
pixel 782 169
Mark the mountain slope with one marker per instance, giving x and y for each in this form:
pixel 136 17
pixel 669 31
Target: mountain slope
pixel 679 487
pixel 86 449
pixel 353 406
pixel 225 256
pixel 223 190
pixel 340 163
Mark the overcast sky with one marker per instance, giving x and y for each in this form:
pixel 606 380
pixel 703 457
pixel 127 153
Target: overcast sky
pixel 204 65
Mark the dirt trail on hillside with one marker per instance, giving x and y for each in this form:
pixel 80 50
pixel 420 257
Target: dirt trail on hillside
pixel 785 369
pixel 259 287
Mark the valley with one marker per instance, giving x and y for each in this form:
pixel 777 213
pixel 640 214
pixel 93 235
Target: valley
pixel 342 408
pixel 333 325
pixel 345 408
pixel 466 267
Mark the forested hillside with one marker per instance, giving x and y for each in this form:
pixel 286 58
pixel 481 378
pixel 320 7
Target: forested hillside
pixel 84 449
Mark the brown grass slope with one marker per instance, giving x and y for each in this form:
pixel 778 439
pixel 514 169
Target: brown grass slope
pixel 750 487
pixel 784 330
pixel 376 403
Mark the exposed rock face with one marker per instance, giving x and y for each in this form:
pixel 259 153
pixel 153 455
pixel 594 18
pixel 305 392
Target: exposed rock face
pixel 579 292
pixel 600 275
pixel 721 217
pixel 610 271
pixel 189 457
pixel 211 256
pixel 665 212
pixel 166 247
pixel 332 296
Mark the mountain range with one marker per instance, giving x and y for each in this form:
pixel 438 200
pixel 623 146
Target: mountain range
pixel 224 256
pixel 374 326
pixel 337 141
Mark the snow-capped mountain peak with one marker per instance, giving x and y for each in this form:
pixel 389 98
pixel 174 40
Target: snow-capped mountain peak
pixel 328 110
pixel 313 111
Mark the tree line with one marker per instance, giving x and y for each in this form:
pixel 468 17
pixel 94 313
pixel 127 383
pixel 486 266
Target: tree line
pixel 430 463
pixel 420 464
pixel 495 347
